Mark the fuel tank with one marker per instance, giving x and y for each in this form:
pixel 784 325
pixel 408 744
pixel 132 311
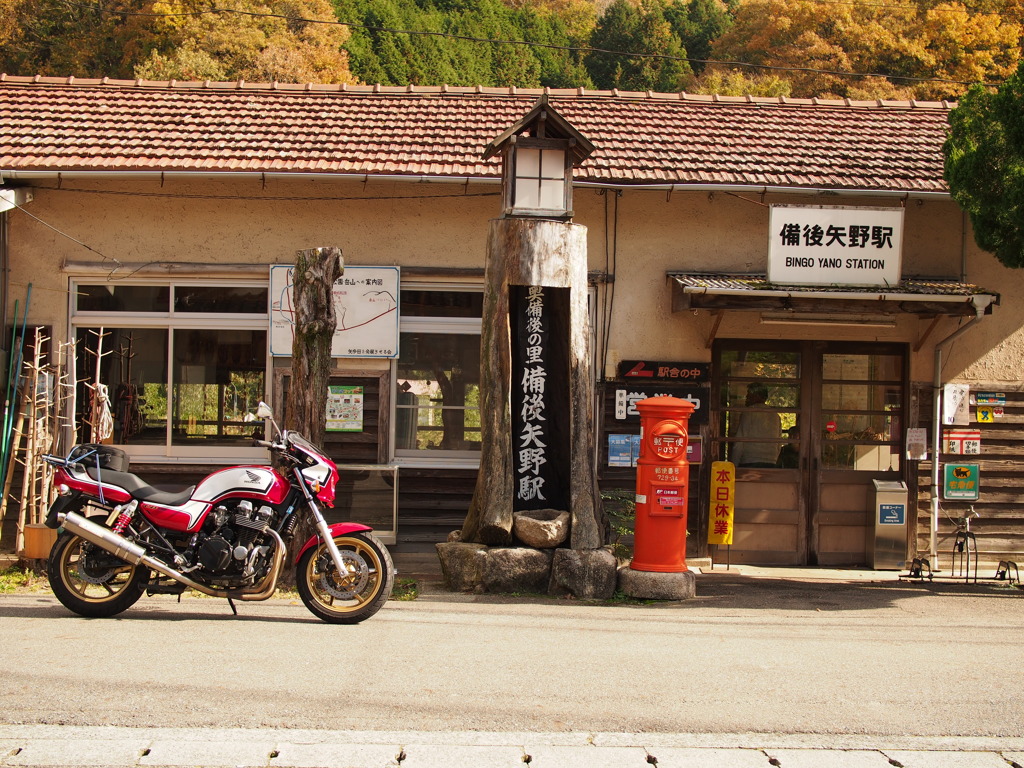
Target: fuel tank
pixel 260 484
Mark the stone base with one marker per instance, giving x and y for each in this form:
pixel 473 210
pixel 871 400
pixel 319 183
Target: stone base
pixel 462 565
pixel 652 585
pixel 588 574
pixel 584 574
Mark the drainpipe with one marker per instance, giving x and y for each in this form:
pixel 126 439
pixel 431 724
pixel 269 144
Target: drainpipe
pixel 981 303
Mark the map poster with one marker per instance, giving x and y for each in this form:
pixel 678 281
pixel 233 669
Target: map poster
pixel 344 409
pixel 365 307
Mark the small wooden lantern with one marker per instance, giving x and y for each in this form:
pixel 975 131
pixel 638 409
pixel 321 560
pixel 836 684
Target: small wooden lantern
pixel 538 155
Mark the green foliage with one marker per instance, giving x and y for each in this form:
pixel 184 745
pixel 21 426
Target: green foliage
pixel 641 29
pixel 20 580
pixel 451 52
pixel 698 23
pixel 620 509
pixel 985 166
pixel 405 590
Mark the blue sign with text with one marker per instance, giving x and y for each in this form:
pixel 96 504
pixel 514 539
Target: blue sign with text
pixel 892 514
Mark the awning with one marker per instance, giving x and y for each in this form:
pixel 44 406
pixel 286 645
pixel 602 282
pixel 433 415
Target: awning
pixel 923 297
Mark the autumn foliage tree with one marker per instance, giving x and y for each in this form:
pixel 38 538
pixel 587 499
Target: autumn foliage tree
pixel 910 48
pixel 284 40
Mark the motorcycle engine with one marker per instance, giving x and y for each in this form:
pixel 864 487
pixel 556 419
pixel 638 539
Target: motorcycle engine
pixel 231 550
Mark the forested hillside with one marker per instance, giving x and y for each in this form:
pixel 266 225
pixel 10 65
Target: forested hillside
pixel 927 49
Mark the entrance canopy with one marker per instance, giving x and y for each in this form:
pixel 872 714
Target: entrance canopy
pixel 917 296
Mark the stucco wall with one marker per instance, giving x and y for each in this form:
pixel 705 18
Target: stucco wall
pixel 637 236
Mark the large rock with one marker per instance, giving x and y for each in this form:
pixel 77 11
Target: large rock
pixel 583 573
pixel 462 565
pixel 653 585
pixel 541 528
pixel 517 569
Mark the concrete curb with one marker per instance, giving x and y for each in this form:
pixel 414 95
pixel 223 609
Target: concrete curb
pixel 49 745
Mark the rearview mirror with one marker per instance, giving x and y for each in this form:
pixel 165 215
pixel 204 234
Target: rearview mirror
pixel 263 411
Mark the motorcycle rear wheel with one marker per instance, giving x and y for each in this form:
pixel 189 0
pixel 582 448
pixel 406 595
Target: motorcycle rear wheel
pixel 356 594
pixel 90 581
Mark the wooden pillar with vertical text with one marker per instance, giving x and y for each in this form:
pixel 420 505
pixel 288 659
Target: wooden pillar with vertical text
pixel 545 259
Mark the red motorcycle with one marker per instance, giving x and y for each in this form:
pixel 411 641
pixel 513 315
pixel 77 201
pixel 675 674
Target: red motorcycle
pixel 226 537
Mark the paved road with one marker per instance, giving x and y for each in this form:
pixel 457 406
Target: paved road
pixel 863 666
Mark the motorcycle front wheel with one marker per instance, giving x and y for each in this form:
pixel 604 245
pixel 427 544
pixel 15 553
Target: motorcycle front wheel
pixel 90 581
pixel 353 595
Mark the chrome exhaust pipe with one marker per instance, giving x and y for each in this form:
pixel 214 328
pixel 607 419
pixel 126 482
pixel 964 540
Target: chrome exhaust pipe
pixel 132 553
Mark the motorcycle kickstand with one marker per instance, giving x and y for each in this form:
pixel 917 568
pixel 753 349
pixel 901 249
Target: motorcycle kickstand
pixel 232 604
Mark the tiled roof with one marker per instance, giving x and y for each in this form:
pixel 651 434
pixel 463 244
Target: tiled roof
pixel 65 124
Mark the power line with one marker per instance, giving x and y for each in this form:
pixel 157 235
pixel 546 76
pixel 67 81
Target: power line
pixel 551 46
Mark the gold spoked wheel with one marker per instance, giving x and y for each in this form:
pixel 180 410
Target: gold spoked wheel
pixel 358 591
pixel 90 581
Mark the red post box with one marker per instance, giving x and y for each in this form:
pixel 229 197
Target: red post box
pixel 662 485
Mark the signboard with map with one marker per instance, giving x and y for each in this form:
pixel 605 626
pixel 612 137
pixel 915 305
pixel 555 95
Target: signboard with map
pixel 366 306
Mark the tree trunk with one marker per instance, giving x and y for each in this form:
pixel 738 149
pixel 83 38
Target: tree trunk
pixel 527 252
pixel 313 279
pixel 316 269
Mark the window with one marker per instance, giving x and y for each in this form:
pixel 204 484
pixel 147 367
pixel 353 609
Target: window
pixel 759 397
pixel 183 363
pixel 437 411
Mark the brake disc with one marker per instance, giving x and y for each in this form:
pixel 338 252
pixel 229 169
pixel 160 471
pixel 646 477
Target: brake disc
pixel 350 583
pixel 93 575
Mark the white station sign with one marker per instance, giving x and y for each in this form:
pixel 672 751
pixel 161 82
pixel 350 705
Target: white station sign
pixel 823 245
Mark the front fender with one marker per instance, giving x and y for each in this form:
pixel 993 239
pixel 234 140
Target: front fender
pixel 338 529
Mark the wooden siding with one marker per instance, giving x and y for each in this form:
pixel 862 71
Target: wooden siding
pixel 431 504
pixel 999 529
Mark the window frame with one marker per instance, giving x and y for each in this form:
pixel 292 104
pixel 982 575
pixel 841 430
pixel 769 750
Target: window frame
pixel 462 326
pixel 172 321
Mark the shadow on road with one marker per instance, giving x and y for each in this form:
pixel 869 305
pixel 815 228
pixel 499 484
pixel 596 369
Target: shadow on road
pixel 734 592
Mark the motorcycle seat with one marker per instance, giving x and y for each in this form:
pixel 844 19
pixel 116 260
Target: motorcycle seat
pixel 140 489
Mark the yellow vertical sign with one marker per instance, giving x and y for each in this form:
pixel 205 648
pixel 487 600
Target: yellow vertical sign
pixel 723 502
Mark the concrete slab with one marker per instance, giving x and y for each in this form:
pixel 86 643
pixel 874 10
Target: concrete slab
pixel 585 757
pixel 672 757
pixel 828 758
pixel 338 755
pixel 946 759
pixel 209 753
pixel 58 752
pixel 448 756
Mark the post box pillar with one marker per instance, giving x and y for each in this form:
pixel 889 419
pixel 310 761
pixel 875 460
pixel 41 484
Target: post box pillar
pixel 658 569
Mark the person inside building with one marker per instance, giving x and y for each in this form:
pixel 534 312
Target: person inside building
pixel 757 423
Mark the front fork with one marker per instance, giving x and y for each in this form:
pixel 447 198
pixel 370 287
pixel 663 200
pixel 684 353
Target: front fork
pixel 321 524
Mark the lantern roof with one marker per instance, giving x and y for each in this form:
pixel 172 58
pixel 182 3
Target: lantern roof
pixel 544 122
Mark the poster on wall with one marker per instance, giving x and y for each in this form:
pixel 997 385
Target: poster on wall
pixel 365 307
pixel 956 405
pixel 344 409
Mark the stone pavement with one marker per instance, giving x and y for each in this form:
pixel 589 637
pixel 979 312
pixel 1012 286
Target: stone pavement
pixel 54 745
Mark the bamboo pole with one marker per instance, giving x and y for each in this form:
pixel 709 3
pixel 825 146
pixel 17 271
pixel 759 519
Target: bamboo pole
pixel 9 467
